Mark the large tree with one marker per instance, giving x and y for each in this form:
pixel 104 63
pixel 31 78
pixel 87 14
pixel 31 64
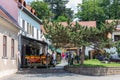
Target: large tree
pixel 91 10
pixel 111 8
pixel 79 36
pixel 114 9
pixel 83 36
pixel 58 33
pixel 42 9
pixel 59 9
pixel 105 4
pixel 99 10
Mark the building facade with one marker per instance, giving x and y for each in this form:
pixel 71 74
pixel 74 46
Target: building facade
pixel 31 40
pixel 8 44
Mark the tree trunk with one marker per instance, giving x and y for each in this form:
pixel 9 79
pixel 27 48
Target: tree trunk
pixel 83 55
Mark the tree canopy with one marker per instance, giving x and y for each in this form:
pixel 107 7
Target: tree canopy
pixel 58 33
pixel 58 7
pixel 42 9
pixel 98 10
pixel 80 36
pixel 90 10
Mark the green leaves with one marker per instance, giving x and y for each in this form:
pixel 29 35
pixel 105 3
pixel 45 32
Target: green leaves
pixel 42 9
pixel 58 7
pixel 98 10
pixel 59 34
pixel 78 35
pixel 90 10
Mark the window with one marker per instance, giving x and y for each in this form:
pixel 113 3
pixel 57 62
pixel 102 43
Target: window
pixel 117 37
pixel 32 31
pixel 12 48
pixel 37 33
pixel 41 32
pixel 4 46
pixel 23 24
pixel 28 28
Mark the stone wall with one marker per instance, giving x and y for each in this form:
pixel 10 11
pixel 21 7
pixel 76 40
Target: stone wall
pixel 94 71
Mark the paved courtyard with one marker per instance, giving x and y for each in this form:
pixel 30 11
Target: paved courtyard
pixel 56 73
pixel 58 76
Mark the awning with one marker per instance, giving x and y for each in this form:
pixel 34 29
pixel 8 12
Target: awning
pixel 51 47
pixel 31 39
pixel 54 49
pixel 58 50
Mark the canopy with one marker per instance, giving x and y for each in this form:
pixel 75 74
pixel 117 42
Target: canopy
pixel 51 47
pixel 58 50
pixel 54 49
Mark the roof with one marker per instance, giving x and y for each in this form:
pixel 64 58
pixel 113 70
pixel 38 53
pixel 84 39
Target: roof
pixel 82 23
pixel 4 15
pixel 118 26
pixel 7 16
pixel 27 9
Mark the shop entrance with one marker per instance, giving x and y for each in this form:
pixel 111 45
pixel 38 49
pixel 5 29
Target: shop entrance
pixel 33 52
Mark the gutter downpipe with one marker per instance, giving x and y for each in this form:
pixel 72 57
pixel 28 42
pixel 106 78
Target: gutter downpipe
pixel 19 39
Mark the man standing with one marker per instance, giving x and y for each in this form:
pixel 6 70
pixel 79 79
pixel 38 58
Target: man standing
pixel 54 58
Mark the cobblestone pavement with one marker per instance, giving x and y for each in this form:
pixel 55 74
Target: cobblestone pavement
pixel 58 76
pixel 56 73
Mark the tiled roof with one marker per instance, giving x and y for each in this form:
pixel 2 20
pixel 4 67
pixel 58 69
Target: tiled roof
pixel 118 26
pixel 88 23
pixel 29 10
pixel 82 23
pixel 6 15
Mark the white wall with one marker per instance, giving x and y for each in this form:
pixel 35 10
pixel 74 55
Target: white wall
pixel 8 65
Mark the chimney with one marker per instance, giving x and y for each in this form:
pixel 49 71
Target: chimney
pixel 28 7
pixel 32 11
pixel 21 1
pixel 24 4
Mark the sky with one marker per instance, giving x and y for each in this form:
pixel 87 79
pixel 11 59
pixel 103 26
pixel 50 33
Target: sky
pixel 71 4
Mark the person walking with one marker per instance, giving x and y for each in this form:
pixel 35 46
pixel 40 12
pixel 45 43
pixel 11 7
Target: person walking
pixel 77 57
pixel 54 58
pixel 63 56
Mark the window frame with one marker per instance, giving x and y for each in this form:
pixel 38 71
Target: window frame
pixel 4 46
pixel 12 48
pixel 33 31
pixel 37 34
pixel 23 24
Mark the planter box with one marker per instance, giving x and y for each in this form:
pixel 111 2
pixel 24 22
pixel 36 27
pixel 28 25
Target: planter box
pixel 94 71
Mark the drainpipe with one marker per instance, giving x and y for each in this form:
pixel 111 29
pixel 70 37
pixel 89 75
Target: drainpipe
pixel 19 50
